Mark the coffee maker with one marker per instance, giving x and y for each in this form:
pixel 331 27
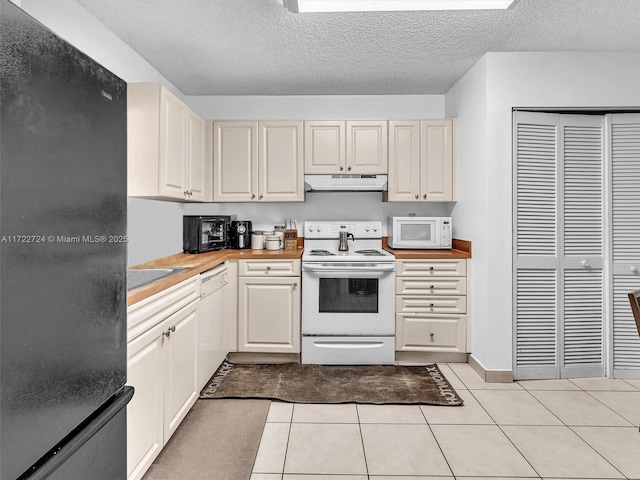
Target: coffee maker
pixel 240 234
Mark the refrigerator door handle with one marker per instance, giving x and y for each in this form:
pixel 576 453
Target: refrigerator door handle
pixel 59 454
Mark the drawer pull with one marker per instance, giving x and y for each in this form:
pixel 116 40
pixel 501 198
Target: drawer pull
pixel 432 335
pixel 431 305
pixel 431 287
pixel 431 268
pixel 268 268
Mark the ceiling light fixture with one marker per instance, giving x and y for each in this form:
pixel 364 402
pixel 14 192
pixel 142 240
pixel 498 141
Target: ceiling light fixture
pixel 310 6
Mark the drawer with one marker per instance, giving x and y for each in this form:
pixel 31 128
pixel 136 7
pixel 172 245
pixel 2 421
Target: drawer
pixel 430 267
pixel 431 286
pixel 431 333
pixel 147 313
pixel 272 268
pixel 431 304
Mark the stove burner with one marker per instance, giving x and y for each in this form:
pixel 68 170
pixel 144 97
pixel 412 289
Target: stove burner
pixel 320 252
pixel 370 253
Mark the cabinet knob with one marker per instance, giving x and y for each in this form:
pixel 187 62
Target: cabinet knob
pixel 268 268
pixel 295 285
pixel 431 305
pixel 341 169
pixel 349 168
pixel 431 287
pixel 633 269
pixel 417 196
pixel 261 196
pixel 253 196
pixel 424 196
pixel 585 263
pixel 168 332
pixel 430 268
pixel 432 335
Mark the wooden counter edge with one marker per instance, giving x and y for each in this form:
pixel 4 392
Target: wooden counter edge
pixel 461 249
pixel 196 264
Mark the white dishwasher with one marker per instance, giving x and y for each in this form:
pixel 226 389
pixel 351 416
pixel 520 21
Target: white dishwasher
pixel 212 333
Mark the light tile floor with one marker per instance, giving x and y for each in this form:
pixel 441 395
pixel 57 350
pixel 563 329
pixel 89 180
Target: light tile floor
pixel 545 429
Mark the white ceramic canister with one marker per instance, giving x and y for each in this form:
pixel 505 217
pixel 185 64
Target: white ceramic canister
pixel 272 242
pixel 279 231
pixel 257 240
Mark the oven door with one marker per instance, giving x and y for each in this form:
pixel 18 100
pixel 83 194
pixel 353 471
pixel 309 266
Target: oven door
pixel 348 299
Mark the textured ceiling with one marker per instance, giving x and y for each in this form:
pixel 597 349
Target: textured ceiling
pixel 256 47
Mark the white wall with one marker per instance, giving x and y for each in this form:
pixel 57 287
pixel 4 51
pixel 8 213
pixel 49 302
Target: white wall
pixel 536 80
pixel 467 101
pixel 313 107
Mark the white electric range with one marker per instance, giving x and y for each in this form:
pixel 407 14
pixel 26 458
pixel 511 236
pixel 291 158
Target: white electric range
pixel 348 297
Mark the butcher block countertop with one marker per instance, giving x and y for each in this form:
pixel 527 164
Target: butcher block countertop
pixel 461 249
pixel 198 263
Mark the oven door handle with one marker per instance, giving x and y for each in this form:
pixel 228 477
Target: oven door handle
pixel 349 345
pixel 349 268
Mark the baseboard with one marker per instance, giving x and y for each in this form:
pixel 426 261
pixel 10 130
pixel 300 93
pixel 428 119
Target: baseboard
pixel 254 357
pixel 426 358
pixel 490 376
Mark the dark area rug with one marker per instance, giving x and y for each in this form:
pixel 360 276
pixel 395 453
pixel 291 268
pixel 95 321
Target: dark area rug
pixel 298 383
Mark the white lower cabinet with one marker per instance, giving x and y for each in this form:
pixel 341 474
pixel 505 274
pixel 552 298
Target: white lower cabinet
pixel 161 367
pixel 269 306
pixel 431 305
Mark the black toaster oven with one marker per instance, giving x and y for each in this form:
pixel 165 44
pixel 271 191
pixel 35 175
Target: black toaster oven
pixel 204 233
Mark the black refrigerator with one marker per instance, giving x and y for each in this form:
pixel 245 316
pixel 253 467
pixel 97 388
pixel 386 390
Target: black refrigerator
pixel 63 155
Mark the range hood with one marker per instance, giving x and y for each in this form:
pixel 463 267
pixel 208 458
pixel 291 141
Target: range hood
pixel 345 183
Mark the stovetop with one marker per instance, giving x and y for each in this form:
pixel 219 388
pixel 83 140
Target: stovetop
pixel 370 252
pixel 365 242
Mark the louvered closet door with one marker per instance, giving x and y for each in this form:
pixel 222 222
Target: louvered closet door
pixel 625 235
pixel 558 242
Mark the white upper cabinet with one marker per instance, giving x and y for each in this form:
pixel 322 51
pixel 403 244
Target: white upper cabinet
pixel 235 161
pixel 258 161
pixel 422 161
pixel 367 147
pixel 166 146
pixel 324 147
pixel 336 147
pixel 280 173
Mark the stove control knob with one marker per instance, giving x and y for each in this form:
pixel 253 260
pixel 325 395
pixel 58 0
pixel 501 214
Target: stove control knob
pixel 318 228
pixel 375 228
pixel 312 228
pixel 367 228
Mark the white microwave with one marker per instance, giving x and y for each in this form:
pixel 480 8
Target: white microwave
pixel 419 232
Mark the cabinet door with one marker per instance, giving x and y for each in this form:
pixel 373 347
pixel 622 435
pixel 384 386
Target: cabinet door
pixel 367 147
pixel 173 145
pixel 324 147
pixel 269 314
pixel 280 171
pixel 404 161
pixel 198 170
pixel 434 333
pixel 181 390
pixel 145 412
pixel 437 160
pixel 235 161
